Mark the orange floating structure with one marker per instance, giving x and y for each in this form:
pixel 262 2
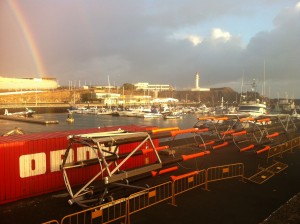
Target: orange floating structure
pixel 173 178
pixel 221 145
pixel 266 148
pixel 163 171
pixel 193 156
pixel 247 148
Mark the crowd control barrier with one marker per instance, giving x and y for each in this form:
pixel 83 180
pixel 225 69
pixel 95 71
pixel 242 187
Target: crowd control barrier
pixel 289 145
pixel 185 182
pixel 224 172
pixel 51 222
pixel 120 210
pixel 146 198
pixel 266 173
pixel 105 213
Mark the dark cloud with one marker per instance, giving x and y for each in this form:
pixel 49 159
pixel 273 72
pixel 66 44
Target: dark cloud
pixel 279 49
pixel 133 41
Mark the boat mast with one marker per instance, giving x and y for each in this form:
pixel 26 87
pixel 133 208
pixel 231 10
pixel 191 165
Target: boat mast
pixel 264 88
pixel 109 92
pixel 242 84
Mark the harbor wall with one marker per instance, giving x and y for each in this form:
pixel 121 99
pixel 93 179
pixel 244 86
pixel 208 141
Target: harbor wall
pixel 50 108
pixel 30 164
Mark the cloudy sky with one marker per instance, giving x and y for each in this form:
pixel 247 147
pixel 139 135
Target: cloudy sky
pixel 165 42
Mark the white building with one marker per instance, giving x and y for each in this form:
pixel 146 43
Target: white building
pixel 27 83
pixel 152 87
pixel 108 98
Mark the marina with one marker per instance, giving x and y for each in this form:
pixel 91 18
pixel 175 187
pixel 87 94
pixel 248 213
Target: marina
pixel 83 121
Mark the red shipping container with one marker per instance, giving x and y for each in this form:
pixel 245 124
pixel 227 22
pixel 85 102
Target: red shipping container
pixel 29 164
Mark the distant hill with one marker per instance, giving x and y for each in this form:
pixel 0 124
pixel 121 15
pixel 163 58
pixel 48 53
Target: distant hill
pixel 210 98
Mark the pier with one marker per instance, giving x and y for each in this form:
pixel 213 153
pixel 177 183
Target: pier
pixel 27 120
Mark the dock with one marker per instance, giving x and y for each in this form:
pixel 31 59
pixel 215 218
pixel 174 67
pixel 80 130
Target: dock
pixel 28 120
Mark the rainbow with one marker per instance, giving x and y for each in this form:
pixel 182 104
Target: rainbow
pixel 40 69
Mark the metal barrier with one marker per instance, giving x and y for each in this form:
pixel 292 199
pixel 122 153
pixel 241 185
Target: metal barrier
pixel 146 198
pixel 51 222
pixel 186 182
pixel 120 210
pixel 287 146
pixel 224 172
pixel 275 151
pixel 266 173
pixel 105 213
pixel 278 150
pixel 295 143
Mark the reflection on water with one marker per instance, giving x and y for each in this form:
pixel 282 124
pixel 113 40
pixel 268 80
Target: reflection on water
pixel 94 121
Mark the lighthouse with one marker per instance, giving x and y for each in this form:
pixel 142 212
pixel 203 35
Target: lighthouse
pixel 197 85
pixel 197 80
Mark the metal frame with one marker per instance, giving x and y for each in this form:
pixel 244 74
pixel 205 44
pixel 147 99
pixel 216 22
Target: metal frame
pixel 95 141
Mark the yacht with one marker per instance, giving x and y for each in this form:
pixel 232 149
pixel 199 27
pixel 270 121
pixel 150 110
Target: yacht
pixel 78 110
pixel 295 114
pixel 152 113
pixel 172 115
pixel 26 113
pixel 253 108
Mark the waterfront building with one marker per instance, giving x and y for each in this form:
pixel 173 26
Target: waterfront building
pixel 118 99
pixel 108 98
pixel 152 87
pixel 27 83
pixel 135 99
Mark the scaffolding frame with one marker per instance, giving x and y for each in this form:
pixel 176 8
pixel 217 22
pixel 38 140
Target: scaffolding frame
pixel 106 159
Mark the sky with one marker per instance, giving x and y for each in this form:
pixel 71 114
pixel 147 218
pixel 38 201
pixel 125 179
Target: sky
pixel 95 42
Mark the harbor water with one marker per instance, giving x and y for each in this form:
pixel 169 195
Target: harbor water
pixel 83 121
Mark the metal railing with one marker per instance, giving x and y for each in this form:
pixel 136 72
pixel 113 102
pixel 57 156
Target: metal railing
pixel 105 213
pixel 278 150
pixel 120 210
pixel 149 197
pixel 51 222
pixel 218 173
pixel 186 182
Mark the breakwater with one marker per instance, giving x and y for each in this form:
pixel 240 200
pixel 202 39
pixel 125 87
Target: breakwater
pixel 40 109
pixel 28 120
